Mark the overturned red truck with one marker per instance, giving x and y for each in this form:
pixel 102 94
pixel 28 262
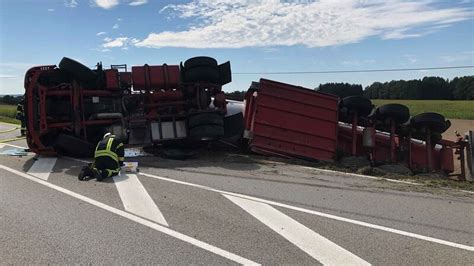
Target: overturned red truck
pixel 69 107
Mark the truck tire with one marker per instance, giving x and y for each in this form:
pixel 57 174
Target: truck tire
pixel 202 74
pixel 178 154
pixel 205 119
pixel 398 112
pixel 434 121
pixel 80 72
pixel 206 132
pixel 361 104
pixel 199 61
pixel 74 146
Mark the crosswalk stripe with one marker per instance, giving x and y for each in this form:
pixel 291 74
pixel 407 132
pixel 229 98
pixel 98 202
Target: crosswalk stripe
pixel 136 199
pixel 42 167
pixel 320 214
pixel 315 245
pixel 137 219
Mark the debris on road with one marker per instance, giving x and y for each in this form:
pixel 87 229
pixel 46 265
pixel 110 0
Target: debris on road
pixel 14 152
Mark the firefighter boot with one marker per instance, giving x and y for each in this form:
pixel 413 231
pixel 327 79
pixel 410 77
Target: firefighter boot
pixel 85 172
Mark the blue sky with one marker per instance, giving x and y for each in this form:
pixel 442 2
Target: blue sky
pixel 256 36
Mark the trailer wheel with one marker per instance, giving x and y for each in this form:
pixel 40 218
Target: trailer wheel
pixel 199 61
pixel 398 112
pixel 434 121
pixel 202 74
pixel 82 73
pixel 74 146
pixel 206 132
pixel 362 105
pixel 205 119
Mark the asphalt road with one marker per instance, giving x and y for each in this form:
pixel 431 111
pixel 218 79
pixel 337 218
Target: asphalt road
pixel 224 209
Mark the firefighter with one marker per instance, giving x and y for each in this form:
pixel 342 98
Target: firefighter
pixel 20 115
pixel 108 159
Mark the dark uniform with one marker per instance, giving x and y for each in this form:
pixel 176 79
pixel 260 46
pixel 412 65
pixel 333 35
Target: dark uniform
pixel 20 115
pixel 108 158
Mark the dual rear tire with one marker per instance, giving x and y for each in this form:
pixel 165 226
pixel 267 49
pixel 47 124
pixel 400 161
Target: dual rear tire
pixel 206 126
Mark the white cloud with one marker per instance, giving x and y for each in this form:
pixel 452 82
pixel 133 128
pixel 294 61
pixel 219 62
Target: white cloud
pixel 116 26
pixel 70 3
pixel 260 23
pixel 117 42
pixel 463 57
pixel 101 33
pixel 358 62
pixel 106 4
pixel 2 76
pixel 50 9
pixel 138 2
pixel 411 58
pixel 119 19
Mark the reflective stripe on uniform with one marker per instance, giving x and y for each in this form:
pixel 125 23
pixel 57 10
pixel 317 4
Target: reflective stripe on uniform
pixel 112 172
pixel 109 144
pixel 120 145
pixel 121 159
pixel 107 154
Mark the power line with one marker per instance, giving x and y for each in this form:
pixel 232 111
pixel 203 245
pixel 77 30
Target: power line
pixel 350 71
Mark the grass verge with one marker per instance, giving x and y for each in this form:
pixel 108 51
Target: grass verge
pixel 8 113
pixel 450 109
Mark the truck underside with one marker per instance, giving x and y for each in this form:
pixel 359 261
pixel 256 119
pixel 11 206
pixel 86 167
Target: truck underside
pixel 69 108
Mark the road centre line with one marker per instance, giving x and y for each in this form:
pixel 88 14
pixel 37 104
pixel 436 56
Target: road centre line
pixel 132 217
pixel 321 214
pixel 10 140
pixel 315 245
pixel 136 199
pixel 9 130
pixel 42 167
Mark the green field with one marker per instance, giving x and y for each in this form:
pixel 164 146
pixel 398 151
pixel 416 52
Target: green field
pixel 450 109
pixel 7 114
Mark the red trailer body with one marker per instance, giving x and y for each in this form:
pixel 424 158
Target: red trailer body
pixel 413 156
pixel 291 121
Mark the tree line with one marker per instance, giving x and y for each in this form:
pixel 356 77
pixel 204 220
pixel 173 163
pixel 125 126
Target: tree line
pixel 428 88
pixel 10 99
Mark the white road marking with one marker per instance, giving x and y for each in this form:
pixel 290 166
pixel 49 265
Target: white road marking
pixel 132 217
pixel 16 146
pixel 136 199
pixel 42 167
pixel 315 245
pixel 2 145
pixel 321 214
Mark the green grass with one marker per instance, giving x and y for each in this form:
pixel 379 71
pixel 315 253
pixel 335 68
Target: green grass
pixel 450 109
pixel 8 113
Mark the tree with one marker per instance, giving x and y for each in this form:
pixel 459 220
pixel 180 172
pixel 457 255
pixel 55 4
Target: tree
pixel 341 89
pixel 236 95
pixel 9 99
